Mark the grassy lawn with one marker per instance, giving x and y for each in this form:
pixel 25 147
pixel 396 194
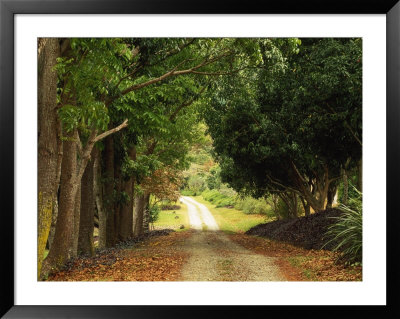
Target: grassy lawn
pixel 231 220
pixel 167 218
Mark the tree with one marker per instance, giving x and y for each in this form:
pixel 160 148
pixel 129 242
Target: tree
pixel 79 110
pixel 48 146
pixel 300 123
pixel 103 84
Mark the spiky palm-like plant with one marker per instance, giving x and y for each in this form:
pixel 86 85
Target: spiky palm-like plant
pixel 346 233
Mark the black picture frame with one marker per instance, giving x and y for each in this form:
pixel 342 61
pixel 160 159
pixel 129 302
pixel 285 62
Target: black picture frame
pixel 8 8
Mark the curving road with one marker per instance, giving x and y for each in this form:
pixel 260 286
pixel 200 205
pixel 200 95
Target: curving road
pixel 199 215
pixel 214 257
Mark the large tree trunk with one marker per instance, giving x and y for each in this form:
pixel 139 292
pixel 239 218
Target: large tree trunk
pixel 117 204
pixel 129 220
pixel 60 251
pixel 109 190
pixel 53 223
pixel 56 199
pixel 98 189
pixel 140 203
pixel 86 225
pixel 77 214
pixel 48 52
pixel 126 215
pixel 125 221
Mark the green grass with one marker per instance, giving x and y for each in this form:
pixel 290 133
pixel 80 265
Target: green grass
pixel 46 252
pixel 231 220
pixel 166 218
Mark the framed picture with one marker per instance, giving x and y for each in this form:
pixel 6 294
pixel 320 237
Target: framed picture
pixel 23 22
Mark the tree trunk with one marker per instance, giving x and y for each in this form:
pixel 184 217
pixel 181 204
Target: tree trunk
pixel 146 214
pixel 322 183
pixel 129 216
pixel 48 52
pixel 86 224
pixel 331 195
pixel 345 197
pixel 126 210
pixel 99 198
pixel 109 190
pixel 77 214
pixel 60 251
pixel 139 215
pixel 126 215
pixel 53 223
pixel 117 204
pixel 294 205
pixel 306 206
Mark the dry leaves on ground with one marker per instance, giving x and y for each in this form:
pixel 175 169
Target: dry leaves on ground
pixel 298 264
pixel 154 259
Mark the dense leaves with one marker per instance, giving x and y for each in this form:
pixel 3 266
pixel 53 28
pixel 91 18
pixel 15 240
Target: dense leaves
pixel 295 126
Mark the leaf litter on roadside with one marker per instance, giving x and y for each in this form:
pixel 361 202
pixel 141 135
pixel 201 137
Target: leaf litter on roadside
pixel 141 259
pixel 299 264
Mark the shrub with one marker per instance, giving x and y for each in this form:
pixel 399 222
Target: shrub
pixel 225 202
pixel 196 184
pixel 154 213
pixel 250 205
pixel 215 197
pixel 346 233
pixel 186 192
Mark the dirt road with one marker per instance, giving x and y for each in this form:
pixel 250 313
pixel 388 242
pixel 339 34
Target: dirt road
pixel 214 257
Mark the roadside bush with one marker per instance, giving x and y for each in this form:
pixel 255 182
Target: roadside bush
pixel 250 205
pixel 188 192
pixel 169 205
pixel 154 213
pixel 196 184
pixel 346 233
pixel 214 180
pixel 215 197
pixel 225 202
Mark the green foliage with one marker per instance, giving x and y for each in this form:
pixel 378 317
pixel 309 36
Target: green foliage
pixel 282 211
pixel 143 166
pixel 196 184
pixel 154 213
pixel 188 192
pixel 298 114
pixel 231 220
pixel 214 179
pixel 346 233
pixel 217 198
pixel 251 205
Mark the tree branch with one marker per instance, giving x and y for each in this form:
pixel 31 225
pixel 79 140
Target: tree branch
pixel 185 104
pixel 109 132
pixel 173 72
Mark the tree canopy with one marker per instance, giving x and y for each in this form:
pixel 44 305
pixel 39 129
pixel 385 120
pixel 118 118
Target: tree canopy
pixel 295 125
